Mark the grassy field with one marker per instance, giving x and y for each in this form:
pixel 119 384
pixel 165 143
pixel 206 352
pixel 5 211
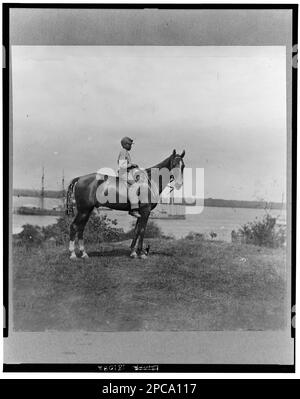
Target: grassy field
pixel 183 285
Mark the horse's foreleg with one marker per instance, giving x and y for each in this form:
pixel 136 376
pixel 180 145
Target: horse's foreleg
pixel 143 224
pixel 133 253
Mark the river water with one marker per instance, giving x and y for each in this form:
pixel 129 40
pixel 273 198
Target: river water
pixel 212 219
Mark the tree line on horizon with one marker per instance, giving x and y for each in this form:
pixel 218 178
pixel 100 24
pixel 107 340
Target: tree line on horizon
pixel 213 202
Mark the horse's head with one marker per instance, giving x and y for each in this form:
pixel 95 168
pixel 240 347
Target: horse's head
pixel 177 168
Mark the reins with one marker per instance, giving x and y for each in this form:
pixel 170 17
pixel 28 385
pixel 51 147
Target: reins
pixel 168 185
pixel 172 188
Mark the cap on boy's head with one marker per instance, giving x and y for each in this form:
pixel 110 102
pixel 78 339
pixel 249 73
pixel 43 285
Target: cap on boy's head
pixel 126 140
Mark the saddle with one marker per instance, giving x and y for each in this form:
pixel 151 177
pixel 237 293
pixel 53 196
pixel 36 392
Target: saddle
pixel 112 188
pixel 112 185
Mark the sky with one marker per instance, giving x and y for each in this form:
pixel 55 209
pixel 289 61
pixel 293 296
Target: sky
pixel 226 106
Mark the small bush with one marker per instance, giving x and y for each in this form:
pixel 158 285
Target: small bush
pixel 60 231
pixel 264 232
pixel 213 235
pixel 152 231
pixel 100 228
pixel 194 236
pixel 30 236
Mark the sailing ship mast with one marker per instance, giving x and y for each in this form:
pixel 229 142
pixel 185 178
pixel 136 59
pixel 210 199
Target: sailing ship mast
pixel 42 197
pixel 63 194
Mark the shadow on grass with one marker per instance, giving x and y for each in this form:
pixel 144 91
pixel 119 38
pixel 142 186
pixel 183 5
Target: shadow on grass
pixel 122 252
pixel 109 253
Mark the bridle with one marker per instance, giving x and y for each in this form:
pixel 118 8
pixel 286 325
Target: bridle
pixel 172 188
pixel 172 178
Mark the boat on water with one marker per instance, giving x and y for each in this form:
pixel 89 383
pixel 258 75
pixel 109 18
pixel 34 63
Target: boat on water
pixel 169 211
pixel 41 210
pixel 157 215
pixel 32 210
pixel 104 208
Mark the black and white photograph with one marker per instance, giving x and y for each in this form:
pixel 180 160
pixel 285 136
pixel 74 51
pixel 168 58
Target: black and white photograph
pixel 149 186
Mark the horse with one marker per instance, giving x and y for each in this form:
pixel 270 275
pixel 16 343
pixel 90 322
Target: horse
pixel 82 192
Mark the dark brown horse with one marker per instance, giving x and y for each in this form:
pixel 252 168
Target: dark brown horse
pixel 82 192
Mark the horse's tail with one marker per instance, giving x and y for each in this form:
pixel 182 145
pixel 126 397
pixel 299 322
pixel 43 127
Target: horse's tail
pixel 70 197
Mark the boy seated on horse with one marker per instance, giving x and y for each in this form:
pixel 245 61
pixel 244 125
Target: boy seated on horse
pixel 131 172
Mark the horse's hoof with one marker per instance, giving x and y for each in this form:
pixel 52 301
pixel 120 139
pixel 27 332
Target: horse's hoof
pixel 143 256
pixel 73 256
pixel 84 256
pixel 133 255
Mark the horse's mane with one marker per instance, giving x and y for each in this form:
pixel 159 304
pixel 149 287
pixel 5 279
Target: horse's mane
pixel 163 164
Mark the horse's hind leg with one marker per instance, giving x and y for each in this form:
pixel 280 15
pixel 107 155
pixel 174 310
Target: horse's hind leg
pixel 82 223
pixel 73 231
pixel 133 253
pixel 77 227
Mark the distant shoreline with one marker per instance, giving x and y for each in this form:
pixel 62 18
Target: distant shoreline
pixel 221 203
pixel 213 202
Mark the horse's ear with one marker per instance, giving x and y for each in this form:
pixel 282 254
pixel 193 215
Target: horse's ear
pixel 182 154
pixel 174 153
